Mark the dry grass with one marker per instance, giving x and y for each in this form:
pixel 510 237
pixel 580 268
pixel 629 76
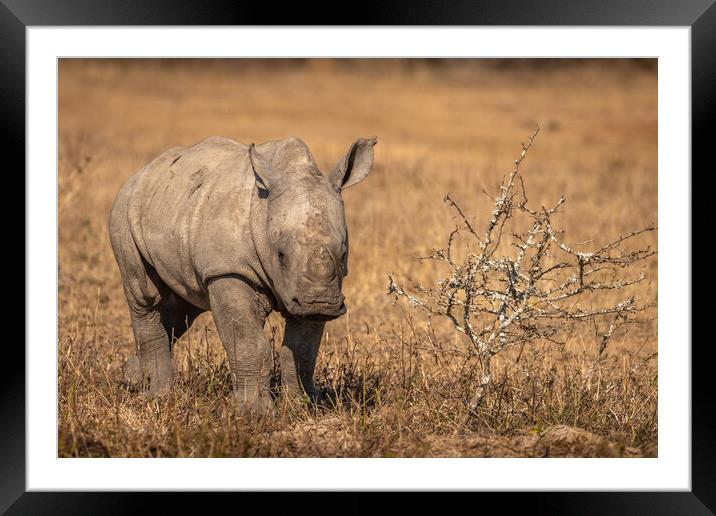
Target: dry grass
pixel 397 384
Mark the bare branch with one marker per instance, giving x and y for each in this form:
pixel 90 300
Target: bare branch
pixel 531 290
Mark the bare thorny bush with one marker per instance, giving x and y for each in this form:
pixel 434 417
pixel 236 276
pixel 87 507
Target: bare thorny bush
pixel 511 287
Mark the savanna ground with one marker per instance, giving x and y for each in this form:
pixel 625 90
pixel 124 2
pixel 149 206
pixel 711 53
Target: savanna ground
pixel 397 384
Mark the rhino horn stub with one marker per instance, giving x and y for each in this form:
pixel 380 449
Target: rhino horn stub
pixel 321 265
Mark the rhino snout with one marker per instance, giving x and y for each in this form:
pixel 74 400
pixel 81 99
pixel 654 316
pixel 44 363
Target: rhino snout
pixel 322 307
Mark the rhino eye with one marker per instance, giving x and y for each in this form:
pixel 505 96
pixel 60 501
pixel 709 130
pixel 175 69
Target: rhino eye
pixel 281 258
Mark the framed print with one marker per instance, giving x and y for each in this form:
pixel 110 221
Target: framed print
pixel 510 189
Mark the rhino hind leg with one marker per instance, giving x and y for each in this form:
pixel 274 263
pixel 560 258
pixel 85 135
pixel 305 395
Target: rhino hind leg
pixel 158 317
pixel 155 330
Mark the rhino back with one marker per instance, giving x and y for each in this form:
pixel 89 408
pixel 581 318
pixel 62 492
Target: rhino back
pixel 189 216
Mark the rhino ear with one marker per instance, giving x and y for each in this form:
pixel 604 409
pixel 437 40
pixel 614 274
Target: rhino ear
pixel 355 165
pixel 261 169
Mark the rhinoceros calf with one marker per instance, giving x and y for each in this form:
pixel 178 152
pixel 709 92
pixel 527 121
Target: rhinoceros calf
pixel 240 230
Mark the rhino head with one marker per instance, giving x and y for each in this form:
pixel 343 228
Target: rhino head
pixel 305 249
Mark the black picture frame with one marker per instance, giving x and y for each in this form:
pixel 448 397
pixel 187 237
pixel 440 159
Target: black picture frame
pixel 699 15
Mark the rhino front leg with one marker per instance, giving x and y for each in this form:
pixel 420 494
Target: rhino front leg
pixel 302 338
pixel 240 322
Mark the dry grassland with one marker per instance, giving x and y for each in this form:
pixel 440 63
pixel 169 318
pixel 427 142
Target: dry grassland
pixel 396 385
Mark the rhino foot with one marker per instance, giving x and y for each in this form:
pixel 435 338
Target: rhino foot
pixel 133 372
pixel 136 380
pixel 261 406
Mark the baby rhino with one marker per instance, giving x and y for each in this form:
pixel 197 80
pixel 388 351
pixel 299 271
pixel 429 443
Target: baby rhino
pixel 240 230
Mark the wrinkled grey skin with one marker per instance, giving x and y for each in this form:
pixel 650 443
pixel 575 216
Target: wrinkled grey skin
pixel 241 231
